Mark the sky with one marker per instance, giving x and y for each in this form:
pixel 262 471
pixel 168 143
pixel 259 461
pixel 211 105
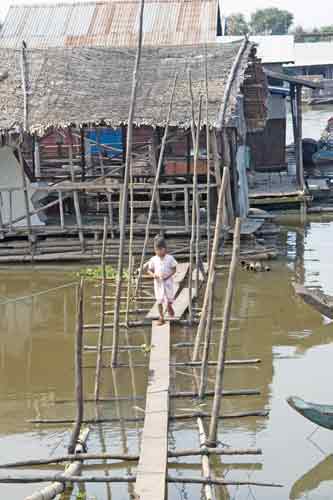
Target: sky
pixel 306 13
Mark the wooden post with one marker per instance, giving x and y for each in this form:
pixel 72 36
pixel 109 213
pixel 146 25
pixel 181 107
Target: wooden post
pixel 76 196
pixel 130 245
pixel 293 108
pixel 10 209
pixel 208 160
pixel 212 262
pixel 154 165
pixel 207 340
pixel 122 236
pixel 196 202
pixel 102 314
pixel 186 209
pixel 25 85
pixel 82 155
pixel 2 234
pixel 217 160
pixel 61 210
pixel 37 157
pixel 155 186
pixel 25 193
pixel 224 335
pixel 299 135
pixel 110 211
pixel 78 370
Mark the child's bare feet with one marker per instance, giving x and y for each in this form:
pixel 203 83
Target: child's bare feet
pixel 160 322
pixel 171 311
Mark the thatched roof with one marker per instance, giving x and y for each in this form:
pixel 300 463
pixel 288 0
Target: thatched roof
pixel 90 85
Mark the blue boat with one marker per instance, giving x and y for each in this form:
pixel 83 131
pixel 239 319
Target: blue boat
pixel 318 414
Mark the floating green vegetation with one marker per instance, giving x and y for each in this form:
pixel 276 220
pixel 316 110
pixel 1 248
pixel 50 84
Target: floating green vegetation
pixel 94 273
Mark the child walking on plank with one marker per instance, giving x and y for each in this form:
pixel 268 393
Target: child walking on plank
pixel 162 268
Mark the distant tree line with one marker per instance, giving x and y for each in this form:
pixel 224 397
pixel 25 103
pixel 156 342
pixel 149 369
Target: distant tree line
pixel 273 21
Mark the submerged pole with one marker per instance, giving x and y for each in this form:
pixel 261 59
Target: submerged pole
pixel 212 262
pixel 129 140
pixel 212 438
pixel 78 370
pixel 102 315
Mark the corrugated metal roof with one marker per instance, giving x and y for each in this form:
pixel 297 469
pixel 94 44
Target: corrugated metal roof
pixel 110 23
pixel 313 54
pixel 270 48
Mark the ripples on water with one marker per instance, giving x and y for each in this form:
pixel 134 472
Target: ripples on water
pixel 293 341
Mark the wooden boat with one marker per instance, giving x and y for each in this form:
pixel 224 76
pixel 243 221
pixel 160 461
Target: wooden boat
pixel 324 155
pixel 318 414
pixel 315 298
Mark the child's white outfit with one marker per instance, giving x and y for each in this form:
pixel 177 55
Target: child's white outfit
pixel 164 289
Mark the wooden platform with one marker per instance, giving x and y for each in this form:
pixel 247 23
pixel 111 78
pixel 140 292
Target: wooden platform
pixel 152 468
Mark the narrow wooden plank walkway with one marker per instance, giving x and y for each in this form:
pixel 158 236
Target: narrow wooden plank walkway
pixel 152 468
pixel 182 270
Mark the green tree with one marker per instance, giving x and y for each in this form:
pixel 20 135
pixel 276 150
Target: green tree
pixel 326 29
pixel 271 21
pixel 236 25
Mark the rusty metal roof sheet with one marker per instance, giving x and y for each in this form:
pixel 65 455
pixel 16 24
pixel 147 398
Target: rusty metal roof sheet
pixel 112 23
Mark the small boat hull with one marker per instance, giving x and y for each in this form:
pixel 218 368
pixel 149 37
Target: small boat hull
pixel 318 414
pixel 323 157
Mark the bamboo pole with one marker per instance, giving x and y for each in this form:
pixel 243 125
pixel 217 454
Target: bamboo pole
pixel 78 370
pixel 102 316
pixel 212 438
pixel 25 85
pixel 76 197
pixel 25 194
pixel 124 200
pixel 130 245
pixel 10 210
pixel 123 479
pixel 2 234
pixel 185 416
pixel 153 156
pixel 74 469
pixel 80 457
pixel 155 186
pixel 207 341
pixel 61 210
pixel 208 162
pixel 212 262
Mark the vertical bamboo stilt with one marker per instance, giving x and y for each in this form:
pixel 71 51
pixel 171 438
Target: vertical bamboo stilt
pixel 61 210
pixel 195 209
pixel 212 438
pixel 155 186
pixel 2 234
pixel 78 370
pixel 207 340
pixel 186 209
pixel 110 211
pixel 130 246
pixel 76 197
pixel 157 200
pixel 208 162
pixel 11 210
pixel 212 262
pixel 26 195
pixel 102 315
pixel 124 200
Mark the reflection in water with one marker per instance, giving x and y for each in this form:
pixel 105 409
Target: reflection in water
pixel 310 481
pixel 293 341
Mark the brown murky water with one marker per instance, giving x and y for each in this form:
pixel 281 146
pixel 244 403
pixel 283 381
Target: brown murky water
pixel 293 341
pixel 269 321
